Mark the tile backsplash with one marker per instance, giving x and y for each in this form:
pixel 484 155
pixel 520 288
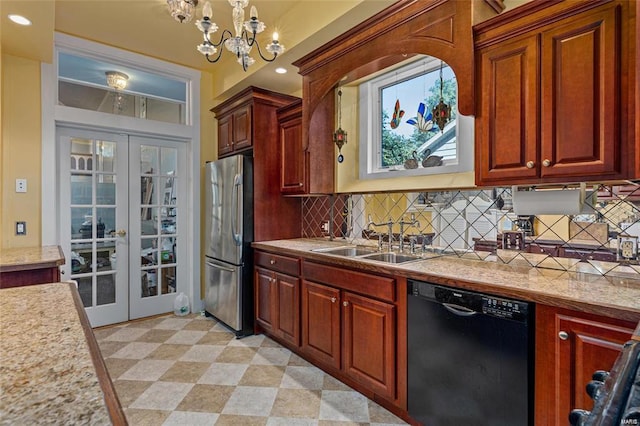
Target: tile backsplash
pixel 481 224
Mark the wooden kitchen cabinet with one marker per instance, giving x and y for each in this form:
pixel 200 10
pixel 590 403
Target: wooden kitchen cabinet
pixel 549 100
pixel 350 332
pixel 570 347
pixel 294 165
pixel 234 131
pixel 277 296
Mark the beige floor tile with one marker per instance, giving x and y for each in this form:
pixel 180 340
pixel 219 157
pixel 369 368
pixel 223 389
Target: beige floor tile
pixel 296 403
pixel 298 361
pixel 148 323
pixel 168 351
pixel 263 375
pixel 250 401
pixel 126 334
pixel 172 323
pixel 186 372
pixel 156 336
pixel 249 341
pixel 344 406
pixel 341 423
pixel 232 420
pixel 137 417
pixel 147 370
pixel 331 383
pixel 216 338
pixel 223 374
pixel 186 337
pixel 287 421
pixel 237 355
pixel 108 348
pixel 117 366
pixel 206 398
pixel 129 390
pixel 103 333
pixel 272 356
pixel 270 343
pixel 162 396
pixel 303 378
pixel 202 353
pixel 378 414
pixel 136 350
pixel 190 418
pixel 200 324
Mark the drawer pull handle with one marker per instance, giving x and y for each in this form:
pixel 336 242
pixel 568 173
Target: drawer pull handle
pixel 530 164
pixel 333 300
pixel 272 261
pixel 345 303
pixel 563 335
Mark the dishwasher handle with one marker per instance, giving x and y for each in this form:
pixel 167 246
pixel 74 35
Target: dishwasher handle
pixel 459 310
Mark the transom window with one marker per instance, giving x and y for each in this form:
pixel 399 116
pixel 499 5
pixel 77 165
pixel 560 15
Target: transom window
pixel 398 133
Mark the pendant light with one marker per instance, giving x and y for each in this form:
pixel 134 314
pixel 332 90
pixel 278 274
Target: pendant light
pixel 340 136
pixel 441 112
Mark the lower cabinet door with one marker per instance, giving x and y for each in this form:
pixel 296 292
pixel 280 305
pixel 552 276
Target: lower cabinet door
pixel 265 299
pixel 321 323
pixel 369 345
pixel 570 347
pixel 288 308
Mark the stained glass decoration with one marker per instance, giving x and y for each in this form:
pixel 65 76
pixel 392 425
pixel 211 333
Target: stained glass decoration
pixel 340 136
pixel 423 121
pixel 397 115
pixel 442 111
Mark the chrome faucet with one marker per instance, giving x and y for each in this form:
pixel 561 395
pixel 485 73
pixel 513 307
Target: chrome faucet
pixel 412 222
pixel 389 224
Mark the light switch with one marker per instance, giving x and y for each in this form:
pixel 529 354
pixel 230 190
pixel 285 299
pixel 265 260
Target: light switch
pixel 21 228
pixel 21 185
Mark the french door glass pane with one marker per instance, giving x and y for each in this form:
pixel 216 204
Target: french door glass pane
pixel 158 174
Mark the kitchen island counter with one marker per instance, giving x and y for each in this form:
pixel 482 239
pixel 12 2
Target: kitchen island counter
pixel 612 296
pixel 21 266
pixel 51 370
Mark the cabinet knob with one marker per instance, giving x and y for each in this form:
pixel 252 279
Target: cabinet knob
pixel 530 164
pixel 272 261
pixel 300 184
pixel 546 162
pixel 563 335
pixel 333 300
pixel 345 303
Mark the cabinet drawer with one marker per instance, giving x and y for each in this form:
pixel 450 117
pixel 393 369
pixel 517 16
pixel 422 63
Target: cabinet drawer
pixel 372 285
pixel 286 265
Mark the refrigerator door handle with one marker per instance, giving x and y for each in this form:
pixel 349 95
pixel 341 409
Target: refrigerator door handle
pixel 218 266
pixel 237 181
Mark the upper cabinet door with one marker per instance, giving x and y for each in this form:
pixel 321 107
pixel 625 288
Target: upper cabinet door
pixel 507 124
pixel 242 128
pixel 580 80
pixel 294 167
pixel 225 136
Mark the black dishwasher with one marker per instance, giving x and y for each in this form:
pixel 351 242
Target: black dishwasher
pixel 470 358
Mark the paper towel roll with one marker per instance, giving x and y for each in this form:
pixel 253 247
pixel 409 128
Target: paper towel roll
pixel 564 202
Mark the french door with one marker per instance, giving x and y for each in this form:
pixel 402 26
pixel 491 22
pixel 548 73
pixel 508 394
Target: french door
pixel 121 222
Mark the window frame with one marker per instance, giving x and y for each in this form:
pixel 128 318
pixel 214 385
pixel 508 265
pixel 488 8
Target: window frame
pixel 370 131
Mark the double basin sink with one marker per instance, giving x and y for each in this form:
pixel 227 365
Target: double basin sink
pixel 368 253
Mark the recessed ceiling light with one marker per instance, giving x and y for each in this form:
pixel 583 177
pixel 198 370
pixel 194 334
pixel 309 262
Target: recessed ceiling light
pixel 20 20
pixel 281 70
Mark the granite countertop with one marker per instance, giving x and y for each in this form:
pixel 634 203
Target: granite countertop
pixel 617 297
pixel 25 258
pixel 49 373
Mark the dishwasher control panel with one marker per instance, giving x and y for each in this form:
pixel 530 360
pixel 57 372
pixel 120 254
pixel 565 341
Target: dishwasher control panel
pixel 504 308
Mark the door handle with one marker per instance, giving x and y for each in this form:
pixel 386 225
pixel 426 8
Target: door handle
pixel 121 232
pixel 459 310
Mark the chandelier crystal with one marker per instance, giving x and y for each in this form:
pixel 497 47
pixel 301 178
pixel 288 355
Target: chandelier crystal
pixel 241 40
pixel 182 10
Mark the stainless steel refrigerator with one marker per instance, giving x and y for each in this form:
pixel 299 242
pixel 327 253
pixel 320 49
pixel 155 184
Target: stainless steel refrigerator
pixel 229 233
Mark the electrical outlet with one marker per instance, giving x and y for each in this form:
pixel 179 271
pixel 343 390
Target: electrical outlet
pixel 21 185
pixel 325 226
pixel 21 228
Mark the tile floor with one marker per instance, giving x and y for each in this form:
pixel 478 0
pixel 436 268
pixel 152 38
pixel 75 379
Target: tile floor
pixel 191 370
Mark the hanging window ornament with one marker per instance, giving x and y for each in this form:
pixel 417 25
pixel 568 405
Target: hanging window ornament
pixel 340 136
pixel 441 112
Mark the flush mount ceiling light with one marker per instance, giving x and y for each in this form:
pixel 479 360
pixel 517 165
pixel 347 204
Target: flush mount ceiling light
pixel 117 80
pixel 182 10
pixel 281 70
pixel 239 44
pixel 19 19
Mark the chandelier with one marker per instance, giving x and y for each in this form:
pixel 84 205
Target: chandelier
pixel 239 44
pixel 118 82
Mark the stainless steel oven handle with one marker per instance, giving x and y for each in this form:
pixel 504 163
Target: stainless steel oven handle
pixel 459 310
pixel 213 265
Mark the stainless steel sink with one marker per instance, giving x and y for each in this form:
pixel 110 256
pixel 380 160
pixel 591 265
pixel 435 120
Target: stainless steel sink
pixel 390 257
pixel 350 251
